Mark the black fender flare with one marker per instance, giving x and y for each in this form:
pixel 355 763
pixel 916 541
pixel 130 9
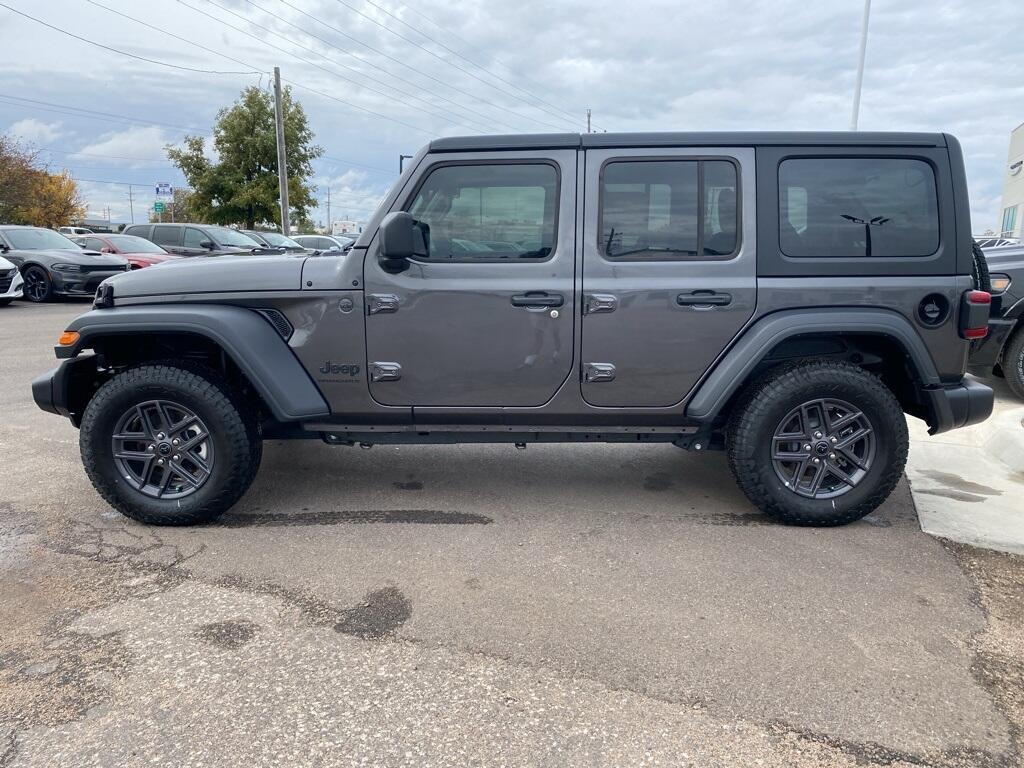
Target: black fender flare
pixel 245 336
pixel 732 370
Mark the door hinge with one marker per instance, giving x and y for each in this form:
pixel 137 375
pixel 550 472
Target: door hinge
pixel 385 371
pixel 377 303
pixel 596 303
pixel 597 372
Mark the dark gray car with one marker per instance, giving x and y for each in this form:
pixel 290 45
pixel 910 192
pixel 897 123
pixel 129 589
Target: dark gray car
pixel 1002 351
pixel 52 265
pixel 199 239
pixel 275 240
pixel 786 297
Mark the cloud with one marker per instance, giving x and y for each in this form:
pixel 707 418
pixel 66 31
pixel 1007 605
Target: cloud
pixel 36 132
pixel 129 147
pixel 531 66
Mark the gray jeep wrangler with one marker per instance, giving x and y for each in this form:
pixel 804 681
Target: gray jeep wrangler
pixel 786 297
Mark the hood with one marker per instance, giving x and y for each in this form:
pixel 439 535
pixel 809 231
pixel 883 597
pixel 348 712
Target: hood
pixel 1007 257
pixel 218 275
pixel 155 258
pixel 78 256
pixel 5 264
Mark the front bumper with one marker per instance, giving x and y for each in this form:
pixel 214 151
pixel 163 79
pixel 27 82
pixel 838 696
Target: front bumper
pixel 985 352
pixel 958 405
pixel 80 283
pixel 54 391
pixel 16 287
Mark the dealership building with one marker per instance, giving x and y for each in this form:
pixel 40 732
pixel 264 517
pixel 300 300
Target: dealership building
pixel 1013 187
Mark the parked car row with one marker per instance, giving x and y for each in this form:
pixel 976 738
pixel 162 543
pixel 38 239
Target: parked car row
pixel 1001 352
pixel 40 264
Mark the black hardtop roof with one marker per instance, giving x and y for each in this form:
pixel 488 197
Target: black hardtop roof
pixel 679 139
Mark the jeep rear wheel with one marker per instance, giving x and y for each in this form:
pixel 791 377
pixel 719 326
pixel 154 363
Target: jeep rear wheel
pixel 818 443
pixel 169 444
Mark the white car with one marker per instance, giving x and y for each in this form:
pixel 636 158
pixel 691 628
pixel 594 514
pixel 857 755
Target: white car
pixel 72 231
pixel 12 285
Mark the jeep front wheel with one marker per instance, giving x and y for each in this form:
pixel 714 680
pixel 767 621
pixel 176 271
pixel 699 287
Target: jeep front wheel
pixel 818 443
pixel 167 444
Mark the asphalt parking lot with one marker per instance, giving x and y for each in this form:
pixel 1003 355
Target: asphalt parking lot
pixel 479 605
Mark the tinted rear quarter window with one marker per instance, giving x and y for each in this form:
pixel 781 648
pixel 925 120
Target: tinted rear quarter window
pixel 166 235
pixel 857 208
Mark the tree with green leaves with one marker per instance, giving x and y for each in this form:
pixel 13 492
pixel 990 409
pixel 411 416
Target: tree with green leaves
pixel 241 185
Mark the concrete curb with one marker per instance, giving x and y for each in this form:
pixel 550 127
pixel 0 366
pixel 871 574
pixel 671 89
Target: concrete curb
pixel 1007 441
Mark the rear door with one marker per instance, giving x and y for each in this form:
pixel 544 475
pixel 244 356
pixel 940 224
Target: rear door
pixel 168 236
pixel 669 269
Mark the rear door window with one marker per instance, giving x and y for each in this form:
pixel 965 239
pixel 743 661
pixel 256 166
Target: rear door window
pixel 668 210
pixel 166 235
pixel 861 207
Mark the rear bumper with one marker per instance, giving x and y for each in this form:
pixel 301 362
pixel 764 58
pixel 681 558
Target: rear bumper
pixel 54 391
pixel 958 405
pixel 985 352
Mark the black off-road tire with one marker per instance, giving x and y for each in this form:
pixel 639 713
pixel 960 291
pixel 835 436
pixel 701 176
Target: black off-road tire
pixel 1012 362
pixel 765 404
pixel 232 423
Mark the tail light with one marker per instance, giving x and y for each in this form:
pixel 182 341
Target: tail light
pixel 974 312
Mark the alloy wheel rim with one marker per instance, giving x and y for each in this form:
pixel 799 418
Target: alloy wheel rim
pixel 823 448
pixel 162 449
pixel 35 284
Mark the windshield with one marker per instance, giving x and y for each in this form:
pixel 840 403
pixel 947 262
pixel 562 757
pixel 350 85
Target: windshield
pixel 278 240
pixel 38 239
pixel 133 244
pixel 226 236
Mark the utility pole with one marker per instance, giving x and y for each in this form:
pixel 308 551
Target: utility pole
pixel 282 163
pixel 131 203
pixel 329 227
pixel 860 65
pixel 588 120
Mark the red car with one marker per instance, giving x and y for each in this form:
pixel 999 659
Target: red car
pixel 137 251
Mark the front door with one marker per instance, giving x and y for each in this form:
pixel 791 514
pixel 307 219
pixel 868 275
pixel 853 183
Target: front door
pixel 669 269
pixel 486 318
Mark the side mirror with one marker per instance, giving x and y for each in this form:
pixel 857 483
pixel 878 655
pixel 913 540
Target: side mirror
pixel 207 244
pixel 402 237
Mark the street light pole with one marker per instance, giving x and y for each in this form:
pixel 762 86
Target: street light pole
pixel 401 160
pixel 860 65
pixel 282 162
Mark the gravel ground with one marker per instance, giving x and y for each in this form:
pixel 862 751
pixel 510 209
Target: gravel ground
pixel 477 605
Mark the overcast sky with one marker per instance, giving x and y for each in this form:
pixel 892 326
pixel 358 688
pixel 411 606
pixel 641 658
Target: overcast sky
pixel 393 74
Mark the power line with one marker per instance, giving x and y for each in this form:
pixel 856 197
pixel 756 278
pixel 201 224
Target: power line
pixel 329 44
pixel 49 106
pixel 333 73
pixel 239 61
pixel 418 31
pixel 292 82
pixel 118 51
pixel 440 58
pixel 128 120
pixel 405 65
